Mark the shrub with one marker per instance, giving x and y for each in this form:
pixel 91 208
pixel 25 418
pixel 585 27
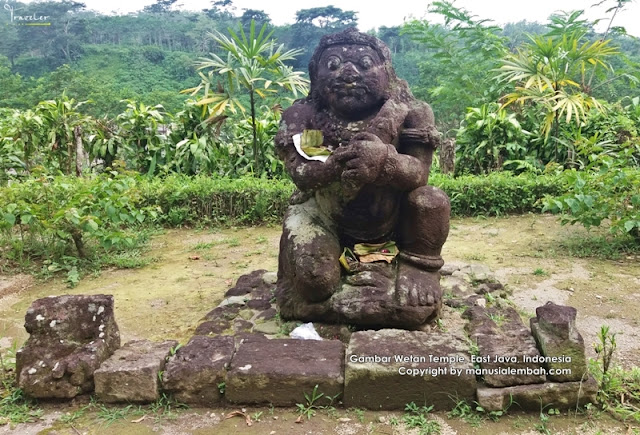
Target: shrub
pixel 498 193
pixel 200 199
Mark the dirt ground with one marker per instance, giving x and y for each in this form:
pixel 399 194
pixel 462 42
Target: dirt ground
pixel 191 270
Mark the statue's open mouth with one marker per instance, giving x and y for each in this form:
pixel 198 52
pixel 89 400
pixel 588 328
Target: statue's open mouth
pixel 350 89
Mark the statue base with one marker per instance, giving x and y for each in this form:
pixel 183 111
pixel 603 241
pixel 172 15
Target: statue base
pixel 373 297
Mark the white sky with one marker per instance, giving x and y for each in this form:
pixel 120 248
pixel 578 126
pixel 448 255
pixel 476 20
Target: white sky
pixel 373 14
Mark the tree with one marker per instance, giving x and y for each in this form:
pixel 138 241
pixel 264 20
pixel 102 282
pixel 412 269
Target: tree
pixel 552 73
pixel 260 17
pixel 463 52
pixel 160 7
pixel 254 64
pixel 311 24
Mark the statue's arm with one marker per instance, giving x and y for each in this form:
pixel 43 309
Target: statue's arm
pixel 407 167
pixel 306 174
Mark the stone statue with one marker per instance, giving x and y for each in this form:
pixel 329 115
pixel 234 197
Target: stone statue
pixel 371 189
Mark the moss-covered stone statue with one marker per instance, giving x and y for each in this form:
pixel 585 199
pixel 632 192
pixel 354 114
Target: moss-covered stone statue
pixel 370 195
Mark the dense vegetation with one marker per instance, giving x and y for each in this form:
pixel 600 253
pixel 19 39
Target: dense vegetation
pixel 103 119
pixel 112 126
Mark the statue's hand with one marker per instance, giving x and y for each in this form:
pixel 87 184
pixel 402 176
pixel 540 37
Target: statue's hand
pixel 363 160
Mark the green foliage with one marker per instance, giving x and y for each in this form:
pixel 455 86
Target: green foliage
pixel 619 389
pixel 553 76
pixel 144 144
pixel 312 403
pixel 15 408
pixel 605 194
pixel 62 123
pixel 488 138
pixel 418 417
pixel 458 74
pixel 64 219
pixel 204 199
pixel 498 193
pixel 254 64
pixel 22 133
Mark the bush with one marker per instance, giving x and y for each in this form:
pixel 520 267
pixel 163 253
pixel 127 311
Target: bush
pixel 488 138
pixel 498 193
pixel 609 193
pixel 54 218
pixel 195 200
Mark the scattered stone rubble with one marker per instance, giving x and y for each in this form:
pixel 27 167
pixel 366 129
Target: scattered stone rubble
pixel 240 353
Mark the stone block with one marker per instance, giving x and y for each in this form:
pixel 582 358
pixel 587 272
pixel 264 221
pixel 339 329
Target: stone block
pixel 279 372
pixel 70 337
pixel 564 395
pixel 507 352
pixel 560 343
pixel 131 374
pixel 193 374
pixel 389 368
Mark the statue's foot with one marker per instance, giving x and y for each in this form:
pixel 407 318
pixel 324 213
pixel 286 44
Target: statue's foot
pixel 416 287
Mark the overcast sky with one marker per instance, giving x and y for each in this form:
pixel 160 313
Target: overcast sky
pixel 394 12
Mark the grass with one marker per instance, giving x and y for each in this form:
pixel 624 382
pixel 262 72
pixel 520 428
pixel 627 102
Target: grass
pixel 540 272
pixel 15 408
pixel 163 408
pixel 604 247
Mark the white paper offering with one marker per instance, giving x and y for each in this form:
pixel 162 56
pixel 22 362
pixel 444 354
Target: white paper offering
pixel 297 142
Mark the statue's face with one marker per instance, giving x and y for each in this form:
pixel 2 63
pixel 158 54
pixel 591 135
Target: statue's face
pixel 352 80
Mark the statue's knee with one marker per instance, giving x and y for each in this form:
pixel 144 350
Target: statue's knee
pixel 317 276
pixel 429 200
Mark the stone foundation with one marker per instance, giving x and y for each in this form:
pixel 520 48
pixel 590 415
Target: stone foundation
pixel 241 354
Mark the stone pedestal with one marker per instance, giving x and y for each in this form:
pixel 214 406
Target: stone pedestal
pixel 131 374
pixel 280 372
pixel 389 368
pixel 196 372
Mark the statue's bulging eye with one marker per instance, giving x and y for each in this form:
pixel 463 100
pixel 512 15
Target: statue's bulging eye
pixel 333 63
pixel 366 62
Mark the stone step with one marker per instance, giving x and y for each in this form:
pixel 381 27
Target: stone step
pixel 131 373
pixel 390 368
pixel 280 372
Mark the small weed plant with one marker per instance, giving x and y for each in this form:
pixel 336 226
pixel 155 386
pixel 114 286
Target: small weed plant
pixel 312 403
pixel 418 417
pixel 475 415
pixel 619 389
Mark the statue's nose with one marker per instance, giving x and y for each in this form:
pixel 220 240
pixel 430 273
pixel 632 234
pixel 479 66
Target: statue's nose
pixel 350 73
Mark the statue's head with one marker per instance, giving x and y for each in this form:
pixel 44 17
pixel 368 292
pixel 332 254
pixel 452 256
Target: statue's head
pixel 351 73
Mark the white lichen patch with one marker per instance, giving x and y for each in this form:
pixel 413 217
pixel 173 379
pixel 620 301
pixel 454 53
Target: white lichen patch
pixel 100 310
pixel 56 366
pixel 32 371
pixel 53 323
pixel 245 368
pixel 101 327
pixel 300 227
pixel 92 308
pixel 101 335
pixel 94 318
pixel 39 317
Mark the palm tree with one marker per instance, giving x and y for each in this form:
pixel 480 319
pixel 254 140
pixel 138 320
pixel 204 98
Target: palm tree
pixel 551 72
pixel 254 64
